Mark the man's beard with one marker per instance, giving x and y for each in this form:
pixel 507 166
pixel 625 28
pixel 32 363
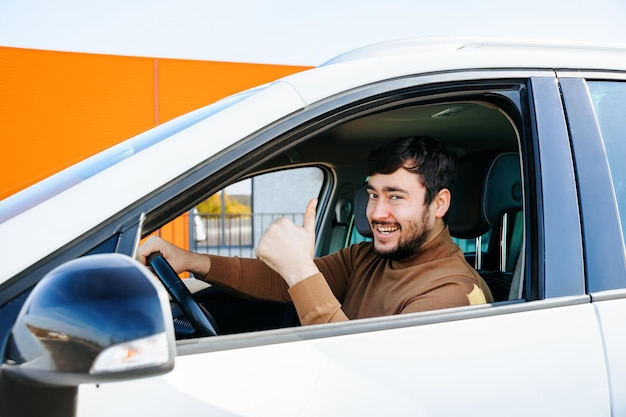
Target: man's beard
pixel 410 245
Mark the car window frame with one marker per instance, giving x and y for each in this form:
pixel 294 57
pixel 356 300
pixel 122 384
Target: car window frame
pixel 604 264
pixel 558 247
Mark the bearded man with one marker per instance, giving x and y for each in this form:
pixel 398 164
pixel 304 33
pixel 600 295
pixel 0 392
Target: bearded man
pixel 410 265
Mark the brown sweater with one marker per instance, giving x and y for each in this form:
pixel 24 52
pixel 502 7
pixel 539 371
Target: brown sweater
pixel 355 282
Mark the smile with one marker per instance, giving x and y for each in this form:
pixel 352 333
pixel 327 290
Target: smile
pixel 385 230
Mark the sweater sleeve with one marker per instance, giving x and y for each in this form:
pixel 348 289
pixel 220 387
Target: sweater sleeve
pixel 247 276
pixel 315 298
pixel 315 302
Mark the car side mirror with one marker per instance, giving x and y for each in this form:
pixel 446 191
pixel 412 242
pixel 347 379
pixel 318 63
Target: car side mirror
pixel 94 319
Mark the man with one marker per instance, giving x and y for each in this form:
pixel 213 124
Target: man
pixel 412 264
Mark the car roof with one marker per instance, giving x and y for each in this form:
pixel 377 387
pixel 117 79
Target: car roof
pixel 442 45
pixel 402 58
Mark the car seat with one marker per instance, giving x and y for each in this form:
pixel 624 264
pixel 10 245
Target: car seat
pixel 488 196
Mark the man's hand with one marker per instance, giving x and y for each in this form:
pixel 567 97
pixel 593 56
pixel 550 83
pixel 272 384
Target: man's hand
pixel 288 249
pixel 180 259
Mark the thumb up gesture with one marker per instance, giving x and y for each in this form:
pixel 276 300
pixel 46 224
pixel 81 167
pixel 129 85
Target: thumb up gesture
pixel 288 248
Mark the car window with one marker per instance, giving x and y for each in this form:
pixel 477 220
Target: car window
pixel 468 246
pixel 609 100
pixel 231 222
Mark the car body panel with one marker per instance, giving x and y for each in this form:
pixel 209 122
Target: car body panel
pixel 610 307
pixel 436 369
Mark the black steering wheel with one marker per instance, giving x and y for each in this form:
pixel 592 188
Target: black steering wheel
pixel 198 316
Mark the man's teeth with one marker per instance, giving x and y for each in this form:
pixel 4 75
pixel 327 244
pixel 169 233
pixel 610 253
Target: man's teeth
pixel 387 229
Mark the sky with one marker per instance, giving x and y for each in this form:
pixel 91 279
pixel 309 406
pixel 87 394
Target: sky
pixel 291 32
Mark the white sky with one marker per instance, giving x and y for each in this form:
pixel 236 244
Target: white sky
pixel 290 31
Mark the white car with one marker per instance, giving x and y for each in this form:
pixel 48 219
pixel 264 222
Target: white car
pixel 540 133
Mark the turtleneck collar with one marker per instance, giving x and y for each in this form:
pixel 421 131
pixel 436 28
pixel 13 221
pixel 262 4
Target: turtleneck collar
pixel 438 247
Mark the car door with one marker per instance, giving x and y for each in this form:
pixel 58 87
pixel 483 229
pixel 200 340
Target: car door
pixel 540 355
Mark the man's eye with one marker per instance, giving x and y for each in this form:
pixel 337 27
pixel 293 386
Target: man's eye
pixel 371 196
pixel 395 197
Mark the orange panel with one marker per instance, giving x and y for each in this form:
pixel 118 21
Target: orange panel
pixel 58 108
pixel 186 85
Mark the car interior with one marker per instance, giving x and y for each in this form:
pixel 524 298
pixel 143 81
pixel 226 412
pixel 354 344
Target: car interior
pixel 486 217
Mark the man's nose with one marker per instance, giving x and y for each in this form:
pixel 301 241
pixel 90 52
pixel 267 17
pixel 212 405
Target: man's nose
pixel 378 210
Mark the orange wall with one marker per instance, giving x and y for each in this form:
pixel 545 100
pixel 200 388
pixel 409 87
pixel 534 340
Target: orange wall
pixel 57 108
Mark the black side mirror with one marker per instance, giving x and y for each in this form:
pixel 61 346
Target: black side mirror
pixel 94 319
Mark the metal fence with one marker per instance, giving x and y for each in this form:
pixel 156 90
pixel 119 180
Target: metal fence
pixel 232 234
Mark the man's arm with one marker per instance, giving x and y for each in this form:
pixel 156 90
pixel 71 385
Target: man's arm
pixel 288 249
pixel 313 298
pixel 246 276
pixel 315 302
pixel 180 259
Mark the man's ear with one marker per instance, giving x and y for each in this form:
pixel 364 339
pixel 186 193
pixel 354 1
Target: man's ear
pixel 442 202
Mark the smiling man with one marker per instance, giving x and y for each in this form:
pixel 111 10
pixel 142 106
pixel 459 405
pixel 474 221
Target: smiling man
pixel 411 265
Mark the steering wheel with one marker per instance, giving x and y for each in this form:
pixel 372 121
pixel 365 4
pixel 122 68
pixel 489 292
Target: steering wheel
pixel 201 320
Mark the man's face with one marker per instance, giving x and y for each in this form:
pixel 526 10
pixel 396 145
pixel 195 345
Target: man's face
pixel 400 220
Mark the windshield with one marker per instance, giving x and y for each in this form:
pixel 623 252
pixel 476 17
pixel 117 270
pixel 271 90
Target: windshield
pixel 73 175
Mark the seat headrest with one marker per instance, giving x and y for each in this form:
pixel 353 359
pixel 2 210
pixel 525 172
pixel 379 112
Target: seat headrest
pixel 360 219
pixel 488 184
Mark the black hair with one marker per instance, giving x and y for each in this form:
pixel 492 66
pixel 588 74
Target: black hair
pixel 420 155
